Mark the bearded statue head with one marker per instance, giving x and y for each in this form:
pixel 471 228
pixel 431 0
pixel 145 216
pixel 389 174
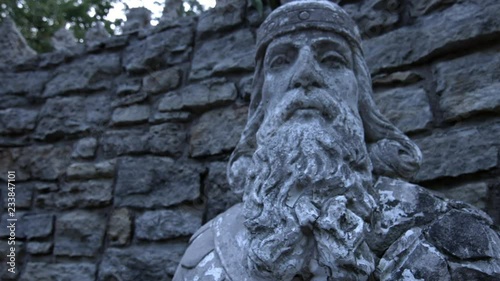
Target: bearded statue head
pixel 312 145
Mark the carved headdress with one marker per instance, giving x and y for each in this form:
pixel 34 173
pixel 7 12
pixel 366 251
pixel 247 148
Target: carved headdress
pixel 391 152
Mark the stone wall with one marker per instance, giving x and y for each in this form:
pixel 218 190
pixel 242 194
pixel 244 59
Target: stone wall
pixel 120 145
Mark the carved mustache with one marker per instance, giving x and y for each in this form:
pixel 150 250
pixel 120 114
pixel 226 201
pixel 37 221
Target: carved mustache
pixel 300 99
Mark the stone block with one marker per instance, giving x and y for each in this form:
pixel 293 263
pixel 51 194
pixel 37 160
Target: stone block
pixel 79 233
pixel 43 162
pixel 207 137
pixel 245 88
pixel 134 114
pixel 39 248
pixel 152 182
pixel 17 120
pixel 19 84
pixel 165 224
pixel 162 81
pixel 433 35
pixel 129 99
pixel 65 116
pixel 38 226
pixel 233 52
pixel 24 195
pixel 103 169
pixel 167 139
pixel 473 193
pixel 37 271
pixel 199 96
pixel 85 148
pixel 220 18
pixel 400 77
pixel 77 194
pixel 407 108
pixel 468 85
pixel 159 50
pixel 457 151
pixel 141 263
pixel 124 142
pixel 217 193
pixel 92 73
pixel 120 227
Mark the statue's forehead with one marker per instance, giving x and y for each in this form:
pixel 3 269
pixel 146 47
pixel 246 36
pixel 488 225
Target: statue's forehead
pixel 310 37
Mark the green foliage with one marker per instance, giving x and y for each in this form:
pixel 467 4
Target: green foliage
pixel 38 20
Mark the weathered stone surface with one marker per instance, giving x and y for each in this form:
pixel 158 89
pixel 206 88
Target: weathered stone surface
pixel 465 237
pixel 209 140
pixel 233 52
pixel 400 77
pixel 124 142
pixel 217 193
pixel 475 270
pixel 38 226
pixel 130 115
pixel 419 8
pixel 128 87
pixel 39 248
pixel 120 227
pixel 159 50
pixel 374 17
pixel 165 224
pixel 37 271
pixel 413 258
pixel 198 96
pixel 95 35
pixel 95 72
pixel 220 18
pixel 167 139
pixel 137 19
pixel 60 117
pixel 150 182
pixel 63 39
pixel 141 263
pixel 103 169
pixel 85 148
pixel 170 116
pixel 162 81
pixel 245 87
pixel 17 120
pixel 13 46
pixel 401 206
pixel 468 85
pixel 407 108
pixel 79 233
pixel 81 194
pixel 44 162
pixel 473 193
pixel 24 194
pixel 456 151
pixel 433 35
pixel 128 99
pixel 17 84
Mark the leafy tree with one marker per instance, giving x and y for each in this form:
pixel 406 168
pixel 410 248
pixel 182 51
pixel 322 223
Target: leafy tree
pixel 38 20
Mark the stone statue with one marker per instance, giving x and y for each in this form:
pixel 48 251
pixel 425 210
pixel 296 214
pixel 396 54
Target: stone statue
pixel 322 174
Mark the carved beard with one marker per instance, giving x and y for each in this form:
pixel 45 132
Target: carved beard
pixel 305 195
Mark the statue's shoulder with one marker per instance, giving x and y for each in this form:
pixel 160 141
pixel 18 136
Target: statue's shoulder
pixel 202 260
pixel 418 234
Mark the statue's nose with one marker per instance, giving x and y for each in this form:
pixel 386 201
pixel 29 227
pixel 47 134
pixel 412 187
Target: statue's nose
pixel 306 72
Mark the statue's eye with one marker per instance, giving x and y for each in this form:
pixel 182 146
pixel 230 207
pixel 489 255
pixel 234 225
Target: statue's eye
pixel 279 61
pixel 332 60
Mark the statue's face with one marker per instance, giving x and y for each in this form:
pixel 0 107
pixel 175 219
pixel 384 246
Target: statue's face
pixel 306 66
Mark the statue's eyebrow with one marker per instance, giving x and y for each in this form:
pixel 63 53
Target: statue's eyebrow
pixel 333 44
